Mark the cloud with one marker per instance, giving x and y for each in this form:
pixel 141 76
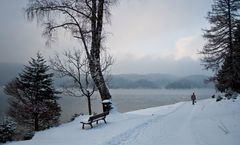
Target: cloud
pixel 148 64
pixel 146 36
pixel 188 47
pixel 182 60
pixel 157 28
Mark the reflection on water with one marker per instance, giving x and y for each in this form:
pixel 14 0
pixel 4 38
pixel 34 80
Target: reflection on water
pixel 124 99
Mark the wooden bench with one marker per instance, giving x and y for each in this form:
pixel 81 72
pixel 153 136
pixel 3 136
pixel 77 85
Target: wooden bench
pixel 95 118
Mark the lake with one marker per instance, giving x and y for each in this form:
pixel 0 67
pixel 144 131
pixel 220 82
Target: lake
pixel 124 99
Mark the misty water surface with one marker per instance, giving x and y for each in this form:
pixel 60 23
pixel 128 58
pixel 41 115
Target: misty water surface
pixel 124 99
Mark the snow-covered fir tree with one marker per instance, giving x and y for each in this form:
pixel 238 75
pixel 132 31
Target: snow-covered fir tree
pixel 34 103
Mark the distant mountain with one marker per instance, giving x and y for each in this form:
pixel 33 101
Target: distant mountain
pixel 124 83
pixel 151 76
pixel 127 81
pixel 141 80
pixel 9 71
pixel 193 81
pixel 158 81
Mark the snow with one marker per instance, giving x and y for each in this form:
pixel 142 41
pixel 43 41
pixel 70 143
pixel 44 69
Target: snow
pixel 206 123
pixel 107 101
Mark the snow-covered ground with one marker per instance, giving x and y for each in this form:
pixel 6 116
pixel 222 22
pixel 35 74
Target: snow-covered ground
pixel 206 123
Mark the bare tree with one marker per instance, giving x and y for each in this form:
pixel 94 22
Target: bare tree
pixel 85 20
pixel 75 66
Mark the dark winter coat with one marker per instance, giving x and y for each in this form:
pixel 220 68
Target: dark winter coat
pixel 193 97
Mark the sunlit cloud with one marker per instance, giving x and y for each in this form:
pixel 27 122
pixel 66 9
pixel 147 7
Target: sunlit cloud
pixel 188 47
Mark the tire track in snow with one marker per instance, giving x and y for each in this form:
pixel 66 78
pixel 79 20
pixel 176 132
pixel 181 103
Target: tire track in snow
pixel 131 134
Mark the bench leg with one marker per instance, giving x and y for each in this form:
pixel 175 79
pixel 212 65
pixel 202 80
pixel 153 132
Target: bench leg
pixel 83 126
pixel 91 125
pixel 104 120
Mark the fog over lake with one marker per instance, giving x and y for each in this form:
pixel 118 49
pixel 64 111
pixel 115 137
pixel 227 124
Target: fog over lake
pixel 124 99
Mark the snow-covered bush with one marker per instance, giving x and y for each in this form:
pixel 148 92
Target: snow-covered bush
pixel 231 94
pixel 28 135
pixel 219 98
pixel 7 130
pixel 75 116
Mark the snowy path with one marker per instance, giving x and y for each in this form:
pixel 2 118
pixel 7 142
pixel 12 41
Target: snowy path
pixel 131 135
pixel 178 123
pixel 186 125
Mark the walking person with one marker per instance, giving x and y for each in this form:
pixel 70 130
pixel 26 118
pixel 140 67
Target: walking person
pixel 193 97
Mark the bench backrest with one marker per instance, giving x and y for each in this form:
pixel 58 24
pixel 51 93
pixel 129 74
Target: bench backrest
pixel 104 114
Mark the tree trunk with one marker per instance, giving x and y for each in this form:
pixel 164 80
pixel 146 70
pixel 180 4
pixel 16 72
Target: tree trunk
pixel 94 61
pixel 89 105
pixel 36 122
pixel 99 80
pixel 230 29
pixel 231 47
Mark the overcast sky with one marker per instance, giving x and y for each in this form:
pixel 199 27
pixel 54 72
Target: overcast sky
pixel 145 36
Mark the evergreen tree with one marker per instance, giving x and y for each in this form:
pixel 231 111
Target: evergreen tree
pixel 224 77
pixel 236 60
pixel 228 77
pixel 34 102
pixel 220 52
